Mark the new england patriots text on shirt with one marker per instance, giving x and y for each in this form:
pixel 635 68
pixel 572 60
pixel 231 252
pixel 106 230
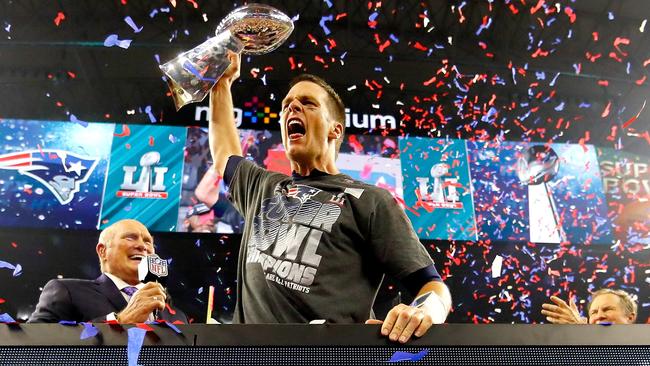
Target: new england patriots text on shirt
pixel 287 232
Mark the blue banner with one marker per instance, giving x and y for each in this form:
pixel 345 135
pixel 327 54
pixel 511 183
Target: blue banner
pixel 144 176
pixel 52 173
pixel 543 193
pixel 437 190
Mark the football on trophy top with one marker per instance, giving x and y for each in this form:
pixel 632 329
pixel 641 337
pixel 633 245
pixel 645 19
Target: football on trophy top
pixel 253 29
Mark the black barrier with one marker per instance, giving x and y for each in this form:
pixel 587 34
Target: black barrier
pixel 451 344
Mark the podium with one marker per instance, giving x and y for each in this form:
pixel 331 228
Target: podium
pixel 291 344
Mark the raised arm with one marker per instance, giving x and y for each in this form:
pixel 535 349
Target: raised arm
pixel 224 137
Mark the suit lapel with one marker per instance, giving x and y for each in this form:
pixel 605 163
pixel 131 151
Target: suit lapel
pixel 108 289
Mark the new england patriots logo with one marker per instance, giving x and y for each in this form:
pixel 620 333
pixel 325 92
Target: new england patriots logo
pixel 62 172
pixel 302 192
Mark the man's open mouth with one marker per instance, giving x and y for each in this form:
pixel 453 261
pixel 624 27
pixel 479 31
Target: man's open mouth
pixel 136 257
pixel 295 129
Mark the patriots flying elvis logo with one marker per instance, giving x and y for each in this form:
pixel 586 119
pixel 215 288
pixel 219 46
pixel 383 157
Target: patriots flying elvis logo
pixel 60 171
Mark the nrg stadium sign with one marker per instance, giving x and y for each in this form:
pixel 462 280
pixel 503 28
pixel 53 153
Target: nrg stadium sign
pixel 256 114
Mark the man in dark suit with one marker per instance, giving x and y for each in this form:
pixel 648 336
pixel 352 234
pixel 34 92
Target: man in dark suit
pixel 115 295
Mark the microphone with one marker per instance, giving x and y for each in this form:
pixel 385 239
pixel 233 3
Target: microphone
pixel 152 268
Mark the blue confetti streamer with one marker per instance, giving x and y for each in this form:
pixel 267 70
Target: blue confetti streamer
pixel 326 18
pixel 8 265
pixel 174 327
pixel 88 331
pixel 135 339
pixel 131 24
pixel 74 119
pixel 6 318
pixel 18 270
pixel 147 110
pixel 400 356
pixel 112 40
pixel 189 67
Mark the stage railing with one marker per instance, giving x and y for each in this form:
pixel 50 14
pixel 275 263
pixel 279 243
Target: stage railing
pixel 449 344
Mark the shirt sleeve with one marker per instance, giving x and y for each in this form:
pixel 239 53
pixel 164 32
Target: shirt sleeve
pixel 394 242
pixel 244 178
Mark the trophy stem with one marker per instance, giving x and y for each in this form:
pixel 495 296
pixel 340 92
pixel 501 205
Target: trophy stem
pixel 192 74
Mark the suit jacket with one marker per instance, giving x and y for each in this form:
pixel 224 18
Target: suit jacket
pixel 83 301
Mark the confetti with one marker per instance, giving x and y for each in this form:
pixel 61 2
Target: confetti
pixel 60 16
pixel 7 319
pixel 132 24
pixel 112 40
pixel 88 331
pixel 401 356
pixel 134 345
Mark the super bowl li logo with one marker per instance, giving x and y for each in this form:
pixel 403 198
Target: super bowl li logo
pixel 439 190
pixel 151 182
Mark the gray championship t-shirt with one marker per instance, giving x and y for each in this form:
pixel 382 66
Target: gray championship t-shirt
pixel 316 247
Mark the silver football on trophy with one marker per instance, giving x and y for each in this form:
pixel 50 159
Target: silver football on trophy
pixel 261 28
pixel 539 164
pixel 252 29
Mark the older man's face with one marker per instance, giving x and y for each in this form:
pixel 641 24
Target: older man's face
pixel 607 308
pixel 131 242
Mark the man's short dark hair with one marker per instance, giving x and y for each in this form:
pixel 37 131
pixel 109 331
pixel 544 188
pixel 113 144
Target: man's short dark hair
pixel 336 107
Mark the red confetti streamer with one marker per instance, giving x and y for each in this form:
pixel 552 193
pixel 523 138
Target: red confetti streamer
pixel 591 57
pixel 151 141
pixel 615 56
pixel 595 35
pixel 313 40
pixel 569 12
pixel 420 47
pixel 621 41
pixel 126 131
pixel 428 82
pixel 539 52
pixel 384 45
pixel 194 4
pixel 59 18
pixel 534 9
pixel 631 120
pixel 606 111
pixel 641 81
pixel 603 82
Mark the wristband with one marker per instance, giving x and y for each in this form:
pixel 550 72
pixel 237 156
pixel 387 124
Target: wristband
pixel 433 304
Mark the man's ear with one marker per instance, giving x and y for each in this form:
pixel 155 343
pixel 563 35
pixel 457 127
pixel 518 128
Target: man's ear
pixel 336 131
pixel 101 251
pixel 631 317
